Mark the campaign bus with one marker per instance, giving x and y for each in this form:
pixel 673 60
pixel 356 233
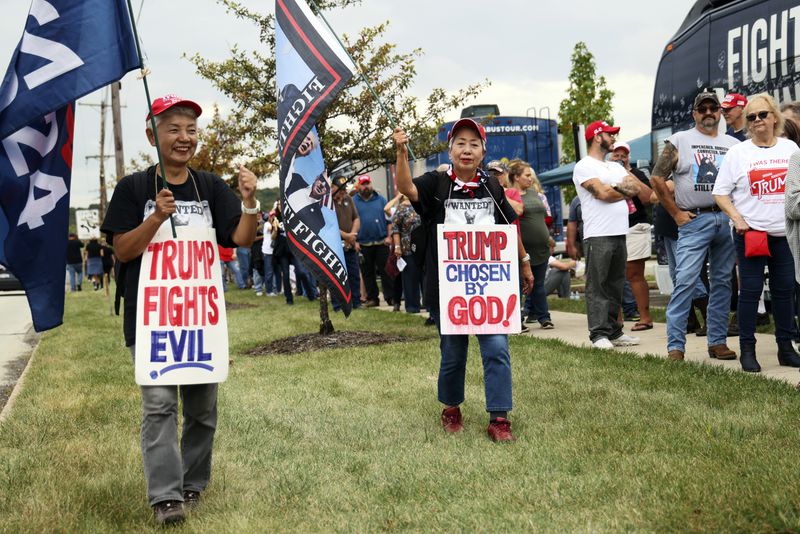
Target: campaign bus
pixel 739 46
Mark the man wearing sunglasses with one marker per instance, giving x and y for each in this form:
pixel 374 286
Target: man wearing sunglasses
pixel 693 158
pixel 733 110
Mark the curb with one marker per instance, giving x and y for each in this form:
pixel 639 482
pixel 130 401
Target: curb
pixel 6 411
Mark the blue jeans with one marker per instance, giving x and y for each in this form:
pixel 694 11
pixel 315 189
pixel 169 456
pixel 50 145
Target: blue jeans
pixel 781 288
pixel 629 307
pixel 75 271
pixel 269 276
pixel 237 274
pixel 410 276
pixel 353 279
pixel 670 247
pixel 243 257
pixel 258 281
pixel 496 368
pixel 536 301
pixel 706 233
pixel 304 280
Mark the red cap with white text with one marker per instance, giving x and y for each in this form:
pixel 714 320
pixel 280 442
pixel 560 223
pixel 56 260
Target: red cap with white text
pixel 160 105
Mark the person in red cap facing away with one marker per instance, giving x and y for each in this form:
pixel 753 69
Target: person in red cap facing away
pixel 458 196
pixel 605 189
pixel 733 110
pixel 175 473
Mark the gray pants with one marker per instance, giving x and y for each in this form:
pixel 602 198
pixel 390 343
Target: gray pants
pixel 557 280
pixel 168 469
pixel 606 258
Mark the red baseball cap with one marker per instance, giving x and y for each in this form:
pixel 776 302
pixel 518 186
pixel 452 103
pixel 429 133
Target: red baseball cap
pixel 599 126
pixel 160 105
pixel 364 179
pixel 467 123
pixel 732 100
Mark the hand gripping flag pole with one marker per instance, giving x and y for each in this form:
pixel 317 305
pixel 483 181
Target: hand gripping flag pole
pixel 385 110
pixel 144 72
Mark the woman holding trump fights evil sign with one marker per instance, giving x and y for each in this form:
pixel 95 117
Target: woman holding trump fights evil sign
pixel 459 195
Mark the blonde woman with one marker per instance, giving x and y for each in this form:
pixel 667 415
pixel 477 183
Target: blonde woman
pixel 750 190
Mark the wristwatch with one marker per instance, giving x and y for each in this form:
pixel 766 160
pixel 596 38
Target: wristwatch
pixel 525 259
pixel 252 211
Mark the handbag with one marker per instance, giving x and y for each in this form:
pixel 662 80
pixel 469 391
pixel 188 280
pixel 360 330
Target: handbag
pixel 391 266
pixel 756 244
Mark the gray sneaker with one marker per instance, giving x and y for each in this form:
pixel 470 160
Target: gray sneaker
pixel 168 512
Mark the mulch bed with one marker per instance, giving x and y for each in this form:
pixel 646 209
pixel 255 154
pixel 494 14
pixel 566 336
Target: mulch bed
pixel 337 340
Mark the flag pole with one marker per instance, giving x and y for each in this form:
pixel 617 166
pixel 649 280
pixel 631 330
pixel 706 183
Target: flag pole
pixel 164 183
pixel 363 78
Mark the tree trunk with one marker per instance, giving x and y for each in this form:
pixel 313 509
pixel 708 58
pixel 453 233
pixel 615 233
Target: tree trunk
pixel 325 324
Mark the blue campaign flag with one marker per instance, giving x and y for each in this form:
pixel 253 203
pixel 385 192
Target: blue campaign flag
pixel 68 49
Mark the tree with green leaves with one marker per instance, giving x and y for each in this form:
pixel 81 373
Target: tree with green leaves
pixel 588 99
pixel 353 131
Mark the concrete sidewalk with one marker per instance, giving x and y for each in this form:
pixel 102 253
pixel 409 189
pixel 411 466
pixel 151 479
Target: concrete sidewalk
pixel 571 328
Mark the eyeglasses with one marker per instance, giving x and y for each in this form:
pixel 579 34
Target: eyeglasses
pixel 707 109
pixel 761 115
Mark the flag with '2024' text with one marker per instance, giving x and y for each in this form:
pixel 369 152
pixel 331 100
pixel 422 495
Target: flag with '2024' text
pixel 68 49
pixel 311 69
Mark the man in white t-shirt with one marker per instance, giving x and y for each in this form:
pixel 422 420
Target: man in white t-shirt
pixel 603 187
pixel 693 158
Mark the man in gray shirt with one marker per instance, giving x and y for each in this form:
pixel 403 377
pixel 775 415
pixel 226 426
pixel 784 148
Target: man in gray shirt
pixel 693 157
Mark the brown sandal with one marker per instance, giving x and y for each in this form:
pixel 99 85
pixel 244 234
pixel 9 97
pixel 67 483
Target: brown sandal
pixel 638 327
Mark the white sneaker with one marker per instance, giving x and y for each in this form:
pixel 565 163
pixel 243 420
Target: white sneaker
pixel 603 343
pixel 259 293
pixel 625 341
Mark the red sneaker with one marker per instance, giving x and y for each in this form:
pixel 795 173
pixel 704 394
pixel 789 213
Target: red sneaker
pixel 500 430
pixel 451 420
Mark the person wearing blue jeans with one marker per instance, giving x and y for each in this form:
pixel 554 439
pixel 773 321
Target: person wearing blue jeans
pixel 536 301
pixel 463 194
pixel 243 258
pixel 708 232
pixel 693 157
pixel 75 276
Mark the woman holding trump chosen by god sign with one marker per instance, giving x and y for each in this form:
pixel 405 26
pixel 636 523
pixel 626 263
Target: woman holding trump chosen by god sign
pixel 463 194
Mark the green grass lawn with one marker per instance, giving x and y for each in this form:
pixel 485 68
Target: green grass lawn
pixel 349 439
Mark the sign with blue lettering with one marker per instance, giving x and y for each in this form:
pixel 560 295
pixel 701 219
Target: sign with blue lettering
pixel 478 279
pixel 181 325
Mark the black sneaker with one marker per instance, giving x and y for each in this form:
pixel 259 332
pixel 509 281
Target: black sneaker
pixel 168 512
pixel 191 499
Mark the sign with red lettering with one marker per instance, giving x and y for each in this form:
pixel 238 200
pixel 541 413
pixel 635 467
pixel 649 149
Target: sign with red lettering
pixel 478 279
pixel 181 326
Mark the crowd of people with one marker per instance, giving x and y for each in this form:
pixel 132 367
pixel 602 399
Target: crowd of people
pixel 724 211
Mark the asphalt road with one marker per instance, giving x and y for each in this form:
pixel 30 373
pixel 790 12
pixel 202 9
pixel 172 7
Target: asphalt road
pixel 15 326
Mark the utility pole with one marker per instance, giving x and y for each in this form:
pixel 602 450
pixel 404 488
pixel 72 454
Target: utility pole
pixel 119 155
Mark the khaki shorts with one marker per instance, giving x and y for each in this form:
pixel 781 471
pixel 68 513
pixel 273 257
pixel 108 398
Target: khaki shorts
pixel 638 242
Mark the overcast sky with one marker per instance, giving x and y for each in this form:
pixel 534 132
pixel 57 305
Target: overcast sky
pixel 522 46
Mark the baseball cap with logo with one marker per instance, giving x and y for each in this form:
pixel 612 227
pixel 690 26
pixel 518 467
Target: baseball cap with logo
pixel 706 95
pixel 160 105
pixel 467 123
pixel 497 166
pixel 364 179
pixel 732 100
pixel 339 183
pixel 597 127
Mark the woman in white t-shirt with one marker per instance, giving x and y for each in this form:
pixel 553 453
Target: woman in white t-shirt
pixel 750 190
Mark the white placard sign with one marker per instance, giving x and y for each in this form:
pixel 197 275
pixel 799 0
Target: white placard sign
pixel 88 224
pixel 181 325
pixel 478 279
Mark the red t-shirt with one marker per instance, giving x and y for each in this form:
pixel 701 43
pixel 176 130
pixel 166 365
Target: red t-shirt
pixel 225 254
pixel 513 194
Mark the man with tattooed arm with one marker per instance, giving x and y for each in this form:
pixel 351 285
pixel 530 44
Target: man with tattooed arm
pixel 693 158
pixel 605 189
